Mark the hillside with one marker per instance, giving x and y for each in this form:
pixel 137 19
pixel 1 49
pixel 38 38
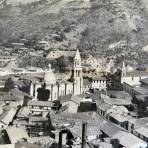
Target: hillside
pixel 113 28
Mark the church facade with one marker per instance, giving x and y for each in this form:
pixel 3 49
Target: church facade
pixel 50 89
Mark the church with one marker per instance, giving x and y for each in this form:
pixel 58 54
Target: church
pixel 50 89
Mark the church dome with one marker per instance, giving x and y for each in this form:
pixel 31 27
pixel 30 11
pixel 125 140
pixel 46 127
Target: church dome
pixel 49 76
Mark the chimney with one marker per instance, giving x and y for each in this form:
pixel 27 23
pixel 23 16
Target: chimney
pixel 84 130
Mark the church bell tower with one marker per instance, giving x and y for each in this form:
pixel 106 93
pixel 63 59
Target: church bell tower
pixel 77 74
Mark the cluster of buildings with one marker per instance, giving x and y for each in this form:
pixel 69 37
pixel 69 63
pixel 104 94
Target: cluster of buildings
pixel 38 109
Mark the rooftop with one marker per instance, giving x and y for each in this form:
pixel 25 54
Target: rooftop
pixel 143 131
pixel 37 119
pixel 27 145
pixel 145 81
pixel 104 106
pixel 142 98
pixel 16 134
pixel 128 140
pixel 119 94
pixel 72 117
pixel 40 103
pixel 9 98
pixel 116 101
pixel 109 129
pixel 8 116
pixel 136 73
pixel 23 112
pixel 99 78
pixel 141 90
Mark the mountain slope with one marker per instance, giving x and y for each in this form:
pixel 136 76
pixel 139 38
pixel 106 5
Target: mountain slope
pixel 106 24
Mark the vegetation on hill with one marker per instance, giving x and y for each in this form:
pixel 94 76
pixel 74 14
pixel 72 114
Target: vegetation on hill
pixel 99 26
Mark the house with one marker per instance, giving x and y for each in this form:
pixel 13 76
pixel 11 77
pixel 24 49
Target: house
pixel 138 127
pixel 102 108
pixel 38 126
pixel 99 83
pixel 39 107
pixel 114 111
pixel 133 77
pixel 34 125
pixel 140 89
pixel 78 103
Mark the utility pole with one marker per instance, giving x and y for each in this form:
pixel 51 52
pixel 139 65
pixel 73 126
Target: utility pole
pixel 84 131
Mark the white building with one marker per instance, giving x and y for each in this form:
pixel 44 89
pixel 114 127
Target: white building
pixel 133 77
pixel 39 107
pixel 99 83
pixel 53 89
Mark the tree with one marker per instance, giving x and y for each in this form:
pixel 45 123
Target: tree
pixel 9 84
